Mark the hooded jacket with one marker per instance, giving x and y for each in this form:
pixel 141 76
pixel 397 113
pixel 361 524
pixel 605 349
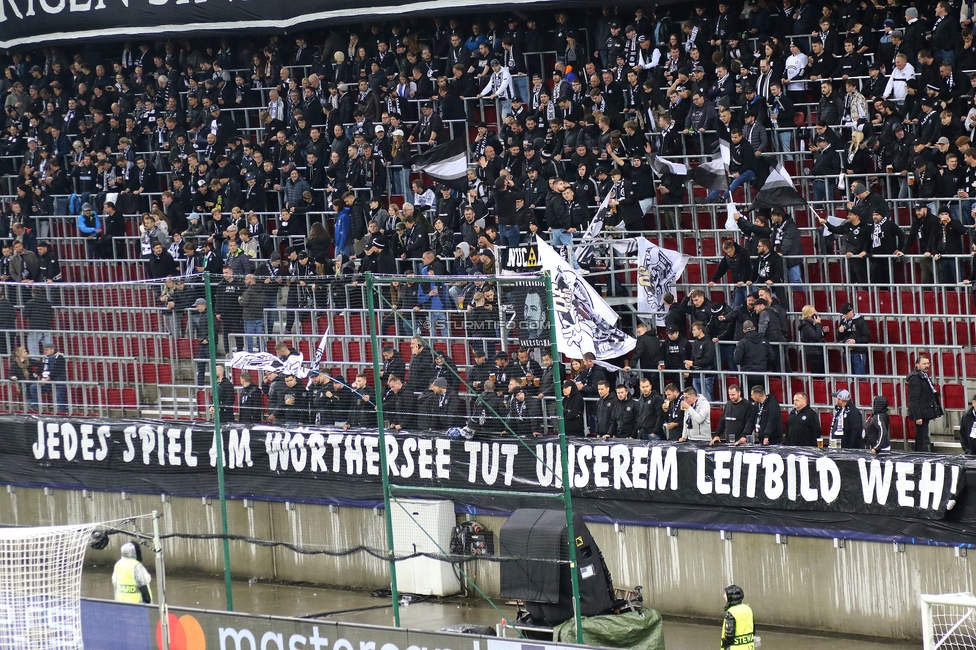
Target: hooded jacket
pixel 877 431
pixel 753 352
pixel 697 423
pixel 573 411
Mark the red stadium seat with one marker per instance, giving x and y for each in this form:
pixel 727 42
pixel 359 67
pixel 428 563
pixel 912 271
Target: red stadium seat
pixel 954 397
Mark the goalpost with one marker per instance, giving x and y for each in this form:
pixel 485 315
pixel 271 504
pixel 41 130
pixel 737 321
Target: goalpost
pixel 40 580
pixel 40 586
pixel 949 621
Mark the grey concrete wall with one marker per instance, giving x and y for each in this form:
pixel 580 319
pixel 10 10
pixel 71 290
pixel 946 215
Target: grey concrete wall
pixel 863 588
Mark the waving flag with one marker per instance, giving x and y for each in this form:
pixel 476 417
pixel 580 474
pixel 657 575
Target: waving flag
pixel 584 321
pixel 446 163
pixel 319 353
pixel 777 192
pixel 293 365
pixel 585 250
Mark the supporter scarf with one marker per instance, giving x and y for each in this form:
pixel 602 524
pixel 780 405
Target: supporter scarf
pixel 876 233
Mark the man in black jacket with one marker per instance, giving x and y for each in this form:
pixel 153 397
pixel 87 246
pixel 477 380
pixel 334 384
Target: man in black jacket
pixel 647 353
pixel 737 262
pixel 768 267
pixel 625 413
pixel 503 199
pixel 886 240
pixel 923 402
pixel 702 361
pixel 847 426
pixel 753 354
pixel 738 419
pixel 769 417
pixel 865 202
pixel 249 400
pixel 803 423
pixel 852 329
pixel 856 238
pixel 649 412
pixel 421 366
pixel 606 407
pixel 673 355
pixel 399 405
pixel 826 167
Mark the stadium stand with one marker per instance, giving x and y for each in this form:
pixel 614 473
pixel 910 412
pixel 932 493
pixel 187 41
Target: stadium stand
pixel 104 158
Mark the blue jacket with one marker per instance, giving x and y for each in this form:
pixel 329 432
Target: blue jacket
pixel 433 303
pixel 342 229
pixel 83 226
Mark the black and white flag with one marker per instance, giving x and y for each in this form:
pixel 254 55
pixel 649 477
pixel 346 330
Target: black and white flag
pixel 584 321
pixel 663 166
pixel 777 192
pixel 658 269
pixel 293 365
pixel 446 163
pixel 585 250
pixel 710 175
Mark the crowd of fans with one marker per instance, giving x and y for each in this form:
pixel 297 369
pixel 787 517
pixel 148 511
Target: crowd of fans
pixel 281 166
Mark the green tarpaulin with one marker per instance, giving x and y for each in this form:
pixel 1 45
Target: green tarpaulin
pixel 642 630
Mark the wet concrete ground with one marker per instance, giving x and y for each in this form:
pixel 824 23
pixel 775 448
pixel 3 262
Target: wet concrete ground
pixel 359 607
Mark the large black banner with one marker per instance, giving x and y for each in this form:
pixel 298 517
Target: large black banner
pixel 25 22
pixel 897 494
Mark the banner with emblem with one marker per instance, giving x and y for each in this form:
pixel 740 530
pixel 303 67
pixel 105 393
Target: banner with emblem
pixel 584 320
pixel 657 271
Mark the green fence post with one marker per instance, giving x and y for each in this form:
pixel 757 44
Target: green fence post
pixel 218 440
pixel 377 381
pixel 564 453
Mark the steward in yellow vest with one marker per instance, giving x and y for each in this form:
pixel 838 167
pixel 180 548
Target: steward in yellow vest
pixel 738 629
pixel 130 580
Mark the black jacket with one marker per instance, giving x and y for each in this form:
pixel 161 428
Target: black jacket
pixel 737 420
pixel 647 352
pixel 753 353
pixel 649 415
pixel 740 266
pixel 421 371
pixel 573 412
pixel 923 401
pixel 399 408
pixel 769 421
pixel 702 354
pixel 250 404
pixel 877 432
pixel 625 415
pixel 606 416
pixel 803 428
pixel 852 431
pixel 675 353
pixel 967 434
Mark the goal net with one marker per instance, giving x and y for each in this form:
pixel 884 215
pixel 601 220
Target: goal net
pixel 949 621
pixel 40 586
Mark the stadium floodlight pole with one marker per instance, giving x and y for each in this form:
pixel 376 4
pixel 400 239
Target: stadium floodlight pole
pixel 161 583
pixel 557 384
pixel 218 440
pixel 381 429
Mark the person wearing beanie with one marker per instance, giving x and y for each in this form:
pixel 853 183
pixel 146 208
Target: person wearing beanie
pixel 877 430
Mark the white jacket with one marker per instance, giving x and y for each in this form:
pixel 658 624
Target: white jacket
pixel 698 424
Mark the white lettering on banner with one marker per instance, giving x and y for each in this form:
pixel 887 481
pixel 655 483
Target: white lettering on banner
pixel 729 474
pixel 272 637
pixel 904 484
pixel 239 453
pixel 929 486
pixel 238 637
